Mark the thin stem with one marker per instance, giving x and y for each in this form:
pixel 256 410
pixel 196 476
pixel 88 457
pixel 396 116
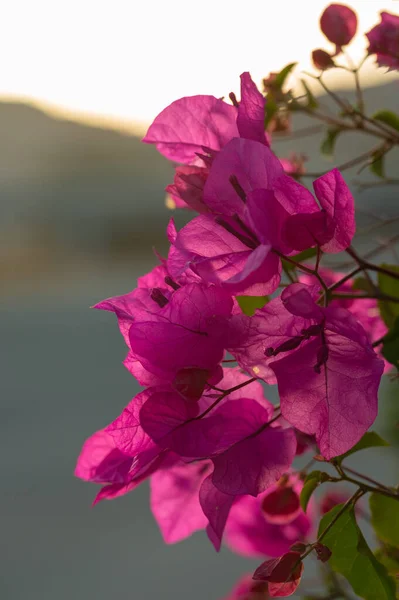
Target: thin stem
pixel 378 295
pixel 303 268
pixel 364 264
pixel 348 164
pixel 336 285
pixel 367 478
pixel 364 486
pixel 225 393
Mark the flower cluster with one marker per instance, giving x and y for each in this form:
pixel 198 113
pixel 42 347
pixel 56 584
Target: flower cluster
pixel 218 454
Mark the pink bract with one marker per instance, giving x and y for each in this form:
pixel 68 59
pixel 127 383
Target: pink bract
pixel 196 125
pixel 365 310
pixel 384 41
pixel 175 500
pixel 338 23
pixel 327 372
pixel 250 532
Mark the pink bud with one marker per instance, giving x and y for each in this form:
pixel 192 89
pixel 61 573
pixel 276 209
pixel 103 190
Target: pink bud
pixel 338 23
pixel 323 553
pixel 322 60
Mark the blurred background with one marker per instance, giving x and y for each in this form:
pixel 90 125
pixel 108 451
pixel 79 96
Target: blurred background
pixel 82 206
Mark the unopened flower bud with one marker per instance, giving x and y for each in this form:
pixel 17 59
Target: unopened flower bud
pixel 322 60
pixel 323 553
pixel 338 23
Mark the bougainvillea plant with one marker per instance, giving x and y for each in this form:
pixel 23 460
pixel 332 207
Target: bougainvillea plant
pixel 243 301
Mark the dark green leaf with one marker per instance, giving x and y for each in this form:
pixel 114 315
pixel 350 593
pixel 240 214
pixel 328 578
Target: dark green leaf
pixel 361 283
pixel 385 518
pixel 328 144
pixel 271 108
pixel 377 164
pixel 352 558
pixel 371 439
pixel 312 102
pixel 389 557
pixel 299 258
pixel 390 348
pixel 388 117
pixel 388 285
pixel 249 304
pixel 282 76
pixel 312 481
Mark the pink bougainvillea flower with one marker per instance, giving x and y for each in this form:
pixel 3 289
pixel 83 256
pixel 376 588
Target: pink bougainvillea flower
pixel 283 574
pixel 175 500
pixel 231 434
pixel 333 227
pixel 384 41
pixel 338 23
pixel 247 454
pixel 231 420
pixel 198 124
pixel 189 332
pixel 327 372
pixel 248 589
pixel 252 529
pixel 253 201
pixel 328 383
pixel 365 310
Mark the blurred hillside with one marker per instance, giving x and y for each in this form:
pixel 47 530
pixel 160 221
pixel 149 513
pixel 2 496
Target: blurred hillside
pixel 71 192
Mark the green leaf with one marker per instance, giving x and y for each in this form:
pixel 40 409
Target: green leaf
pixel 328 144
pixel 352 558
pixel 371 439
pixel 388 285
pixel 271 108
pixel 385 518
pixel 249 304
pixel 361 283
pixel 389 557
pixel 388 117
pixel 312 481
pixel 390 348
pixel 282 76
pixel 312 102
pixel 299 258
pixel 377 164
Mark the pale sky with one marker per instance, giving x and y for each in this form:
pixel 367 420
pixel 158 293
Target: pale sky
pixel 125 60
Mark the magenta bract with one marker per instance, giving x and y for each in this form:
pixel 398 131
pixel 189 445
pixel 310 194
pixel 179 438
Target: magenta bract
pixel 338 23
pixel 384 41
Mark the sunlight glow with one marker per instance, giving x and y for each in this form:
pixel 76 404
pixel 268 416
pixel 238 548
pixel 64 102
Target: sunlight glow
pixel 125 60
